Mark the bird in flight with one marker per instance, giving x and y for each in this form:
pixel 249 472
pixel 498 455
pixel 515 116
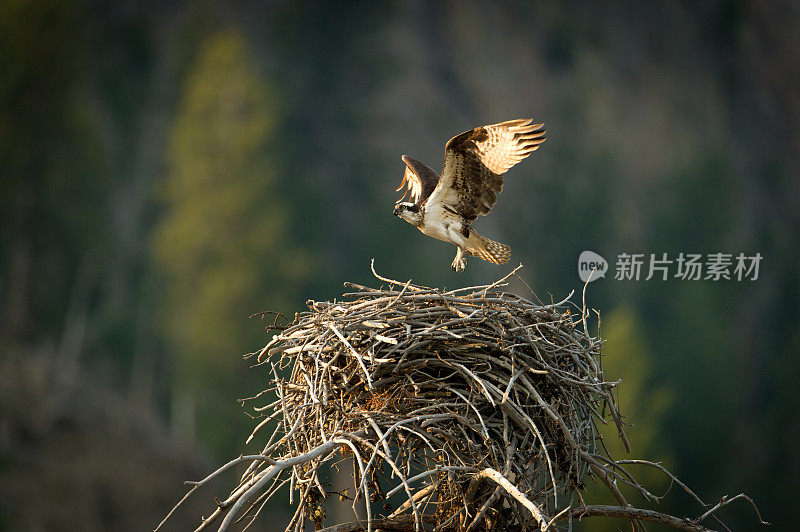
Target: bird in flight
pixel 444 206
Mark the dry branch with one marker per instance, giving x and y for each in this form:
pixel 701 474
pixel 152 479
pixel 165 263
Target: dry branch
pixel 427 392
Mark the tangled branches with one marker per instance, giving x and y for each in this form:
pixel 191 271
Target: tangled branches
pixel 470 409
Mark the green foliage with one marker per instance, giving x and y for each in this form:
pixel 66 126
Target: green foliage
pixel 641 398
pixel 223 244
pixel 53 170
pixel 642 401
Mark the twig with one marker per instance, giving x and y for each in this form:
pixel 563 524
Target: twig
pixel 599 510
pixel 512 490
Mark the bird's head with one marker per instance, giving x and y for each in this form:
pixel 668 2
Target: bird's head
pixel 409 212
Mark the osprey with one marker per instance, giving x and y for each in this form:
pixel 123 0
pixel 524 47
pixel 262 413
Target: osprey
pixel 444 206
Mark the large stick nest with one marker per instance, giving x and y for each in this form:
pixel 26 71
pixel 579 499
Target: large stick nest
pixel 430 388
pixel 469 409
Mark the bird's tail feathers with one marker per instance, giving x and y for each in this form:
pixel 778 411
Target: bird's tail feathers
pixel 482 247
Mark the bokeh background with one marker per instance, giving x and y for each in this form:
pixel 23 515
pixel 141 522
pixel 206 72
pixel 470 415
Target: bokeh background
pixel 169 168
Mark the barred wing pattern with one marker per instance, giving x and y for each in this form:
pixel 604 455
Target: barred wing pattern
pixel 476 160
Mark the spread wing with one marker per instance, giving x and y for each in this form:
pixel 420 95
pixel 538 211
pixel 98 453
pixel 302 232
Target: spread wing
pixel 475 161
pixel 419 179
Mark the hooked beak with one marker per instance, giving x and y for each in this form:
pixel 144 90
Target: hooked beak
pixel 396 210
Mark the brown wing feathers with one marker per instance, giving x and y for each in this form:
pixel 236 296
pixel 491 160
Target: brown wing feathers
pixel 501 146
pixel 476 160
pixel 474 164
pixel 419 179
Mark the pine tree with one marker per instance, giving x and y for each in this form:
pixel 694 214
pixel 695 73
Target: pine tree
pixel 223 244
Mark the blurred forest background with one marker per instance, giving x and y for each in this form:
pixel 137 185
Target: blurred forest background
pixel 169 168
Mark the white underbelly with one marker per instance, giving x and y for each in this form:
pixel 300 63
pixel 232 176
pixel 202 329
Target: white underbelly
pixel 443 226
pixel 437 231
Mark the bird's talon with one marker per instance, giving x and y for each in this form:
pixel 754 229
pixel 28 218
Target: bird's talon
pixel 458 266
